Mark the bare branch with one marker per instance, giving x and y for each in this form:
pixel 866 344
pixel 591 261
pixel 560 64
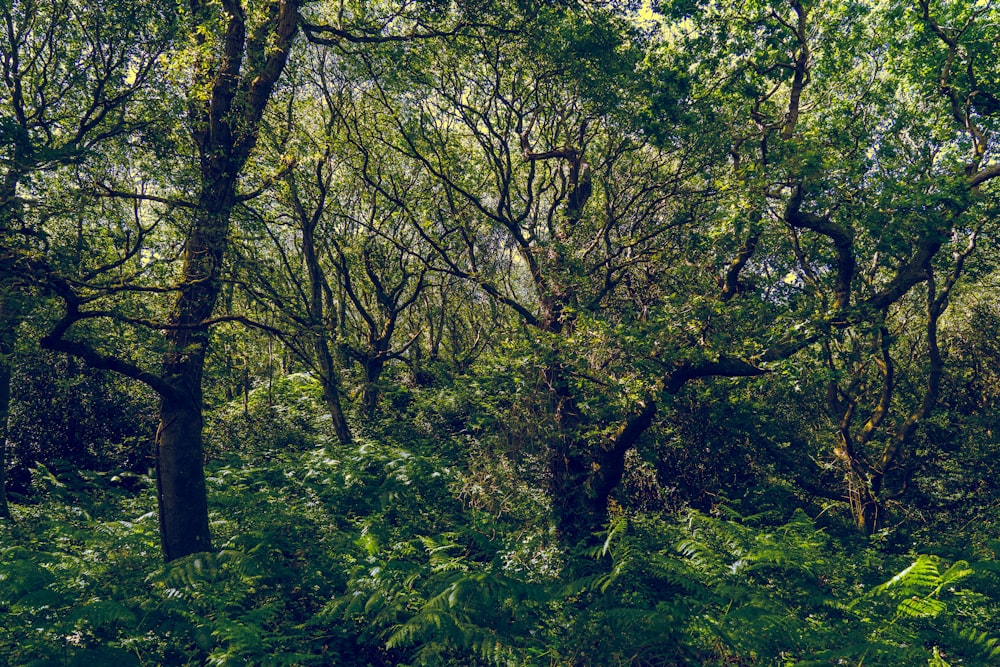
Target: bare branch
pixel 723 367
pixel 55 341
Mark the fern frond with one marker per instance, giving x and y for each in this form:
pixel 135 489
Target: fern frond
pixel 99 613
pixel 959 570
pixel 981 642
pixel 920 576
pixel 190 570
pixel 937 660
pixel 921 607
pixel 20 577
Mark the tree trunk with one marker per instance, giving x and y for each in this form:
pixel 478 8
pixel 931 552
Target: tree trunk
pixel 868 514
pixel 180 478
pixel 578 511
pixel 8 327
pixel 373 364
pixel 324 321
pixel 330 381
pixel 224 125
pixel 584 473
pixel 180 481
pixel 4 412
pixel 578 494
pixel 225 132
pixel 866 508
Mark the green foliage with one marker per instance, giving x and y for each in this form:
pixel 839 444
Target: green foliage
pixel 551 217
pixel 284 412
pixel 66 415
pixel 699 591
pixel 365 556
pixel 72 587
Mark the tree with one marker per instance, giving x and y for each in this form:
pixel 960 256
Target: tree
pixel 235 55
pixel 381 264
pixel 343 268
pixel 553 206
pixel 860 195
pixel 362 271
pixel 821 231
pixel 6 353
pixel 70 73
pixel 227 61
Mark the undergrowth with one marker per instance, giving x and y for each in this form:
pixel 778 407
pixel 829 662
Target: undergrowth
pixel 374 555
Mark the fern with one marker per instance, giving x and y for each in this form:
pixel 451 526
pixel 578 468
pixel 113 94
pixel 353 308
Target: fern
pixel 98 613
pixel 322 562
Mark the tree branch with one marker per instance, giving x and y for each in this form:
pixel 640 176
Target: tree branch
pixel 724 367
pixel 55 341
pixel 843 241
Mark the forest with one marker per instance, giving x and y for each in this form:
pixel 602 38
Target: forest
pixel 514 333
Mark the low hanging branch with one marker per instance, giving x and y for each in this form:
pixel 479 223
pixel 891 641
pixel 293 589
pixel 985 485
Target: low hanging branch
pixel 56 342
pixel 722 367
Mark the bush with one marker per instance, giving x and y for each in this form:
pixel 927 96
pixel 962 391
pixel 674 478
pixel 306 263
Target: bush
pixel 287 414
pixel 64 411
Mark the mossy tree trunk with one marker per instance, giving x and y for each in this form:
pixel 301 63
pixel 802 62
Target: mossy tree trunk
pixel 233 77
pixel 226 105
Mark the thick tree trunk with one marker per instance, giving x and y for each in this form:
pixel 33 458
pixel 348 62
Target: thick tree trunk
pixel 575 513
pixel 180 478
pixel 224 127
pixel 861 492
pixel 374 365
pixel 584 473
pixel 868 514
pixel 183 502
pixel 8 327
pixel 578 493
pixel 582 476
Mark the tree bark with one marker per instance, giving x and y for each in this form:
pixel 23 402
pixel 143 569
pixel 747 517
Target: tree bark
pixel 370 392
pixel 179 448
pixel 322 318
pixel 180 478
pixel 225 132
pixel 577 512
pixel 584 473
pixel 8 326
pixel 867 509
pixel 330 381
pixel 4 412
pixel 232 80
